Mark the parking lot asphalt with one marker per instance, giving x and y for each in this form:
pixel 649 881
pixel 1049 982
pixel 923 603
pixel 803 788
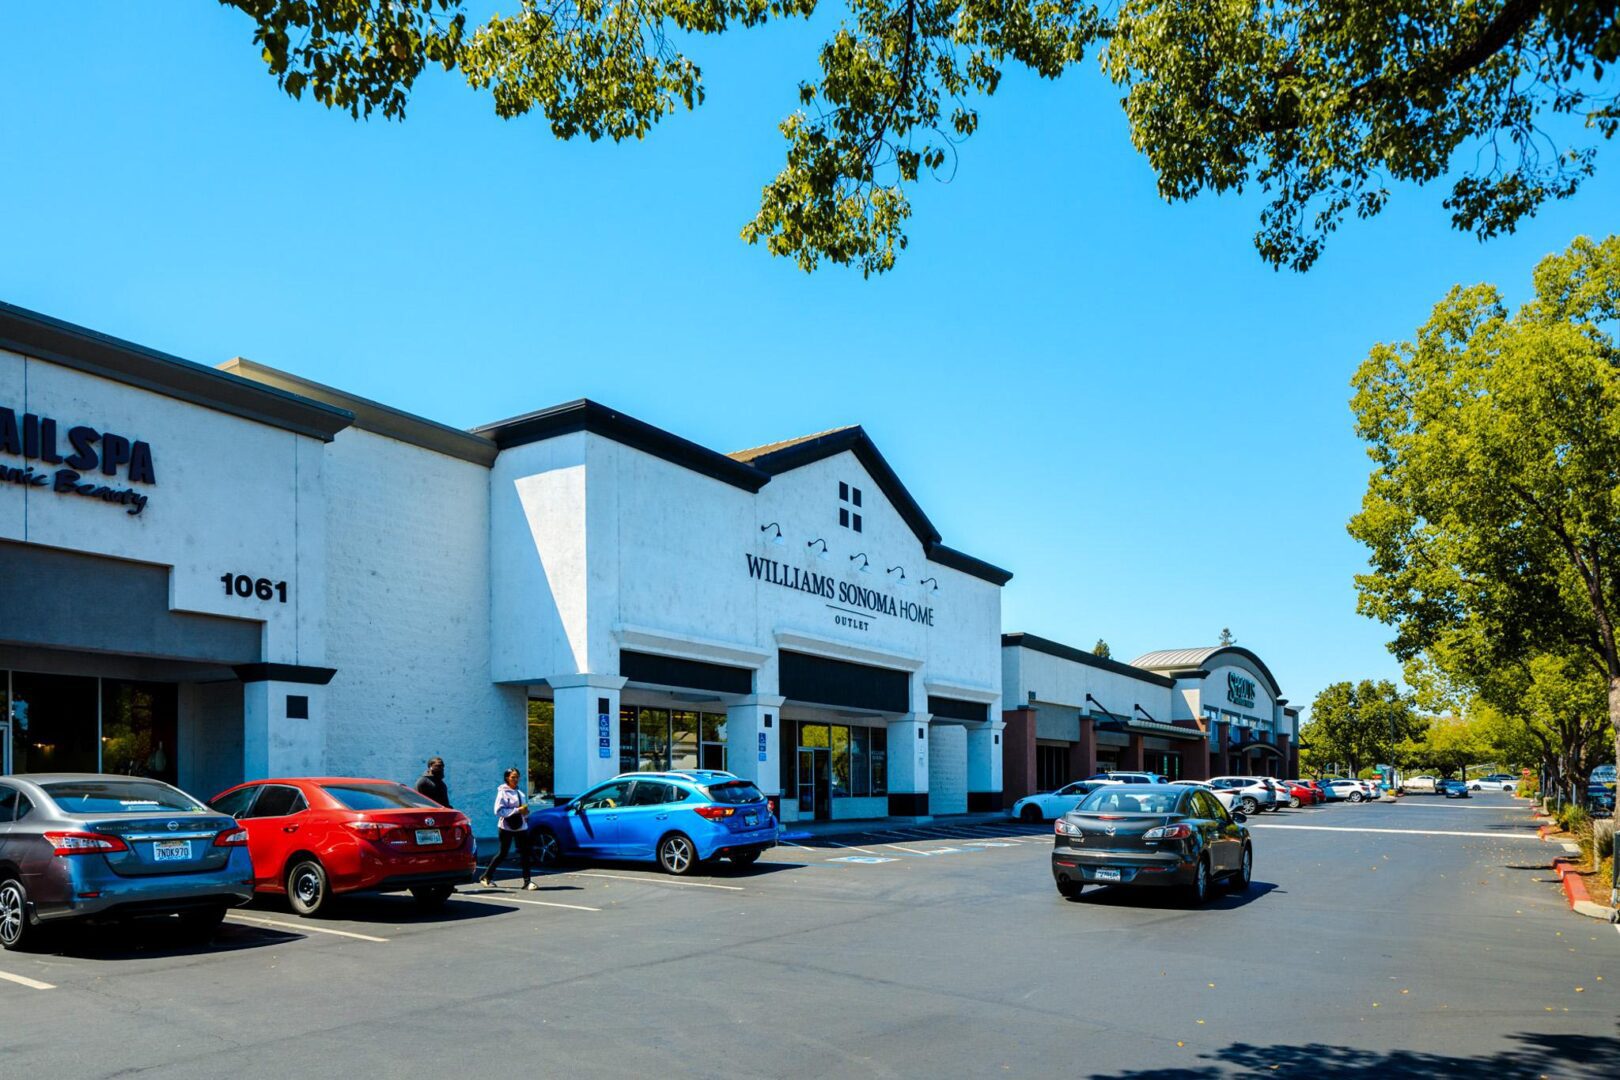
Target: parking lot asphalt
pixel 1421 937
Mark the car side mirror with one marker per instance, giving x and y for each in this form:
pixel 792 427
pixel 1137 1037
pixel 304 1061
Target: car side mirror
pixel 578 807
pixel 1239 816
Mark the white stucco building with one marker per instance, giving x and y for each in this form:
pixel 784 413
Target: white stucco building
pixel 211 574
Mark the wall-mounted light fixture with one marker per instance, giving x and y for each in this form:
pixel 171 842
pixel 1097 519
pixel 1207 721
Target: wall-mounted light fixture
pixel 821 553
pixel 929 584
pixel 776 540
pixel 864 568
pixel 898 580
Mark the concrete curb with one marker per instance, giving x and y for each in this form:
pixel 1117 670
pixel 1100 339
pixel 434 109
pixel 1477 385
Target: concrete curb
pixel 1580 901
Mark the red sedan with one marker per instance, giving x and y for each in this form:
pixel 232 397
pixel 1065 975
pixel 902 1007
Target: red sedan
pixel 314 837
pixel 1317 795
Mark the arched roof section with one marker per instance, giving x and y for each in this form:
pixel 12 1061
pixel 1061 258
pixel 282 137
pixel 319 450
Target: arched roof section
pixel 1173 661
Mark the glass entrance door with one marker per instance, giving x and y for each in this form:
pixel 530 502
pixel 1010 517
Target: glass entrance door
pixel 815 784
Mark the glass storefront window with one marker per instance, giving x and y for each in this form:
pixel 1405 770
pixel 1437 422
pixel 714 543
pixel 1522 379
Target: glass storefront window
pixel 860 741
pixel 684 742
pixel 714 727
pixel 542 743
pixel 653 728
pixel 880 761
pixel 139 722
pixel 627 739
pixel 54 723
pixel 814 735
pixel 840 761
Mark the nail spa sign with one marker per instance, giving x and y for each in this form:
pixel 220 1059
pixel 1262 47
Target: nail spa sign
pixel 82 452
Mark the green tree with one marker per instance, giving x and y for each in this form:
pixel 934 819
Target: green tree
pixel 1101 649
pixel 1448 745
pixel 1226 637
pixel 1358 724
pixel 1492 514
pixel 1320 103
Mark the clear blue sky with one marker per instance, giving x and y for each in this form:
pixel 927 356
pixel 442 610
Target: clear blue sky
pixel 1111 396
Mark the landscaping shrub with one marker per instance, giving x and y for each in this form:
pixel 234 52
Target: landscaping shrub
pixel 1573 819
pixel 1529 786
pixel 1603 838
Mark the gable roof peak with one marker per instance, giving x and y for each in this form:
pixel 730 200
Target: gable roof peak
pixel 755 453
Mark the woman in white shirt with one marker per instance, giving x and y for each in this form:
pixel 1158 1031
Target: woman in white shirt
pixel 510 826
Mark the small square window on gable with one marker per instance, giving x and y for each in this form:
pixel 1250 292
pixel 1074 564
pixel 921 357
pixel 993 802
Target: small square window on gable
pixel 852 496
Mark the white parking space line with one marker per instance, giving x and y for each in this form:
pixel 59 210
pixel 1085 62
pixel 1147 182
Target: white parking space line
pixel 649 880
pixel 914 851
pixel 305 928
pixel 852 847
pixel 1407 832
pixel 521 900
pixel 23 980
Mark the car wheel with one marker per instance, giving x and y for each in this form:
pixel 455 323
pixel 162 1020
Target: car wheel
pixel 1198 891
pixel 547 851
pixel 677 855
pixel 1251 805
pixel 202 923
pixel 1069 890
pixel 307 887
pixel 431 897
pixel 1031 814
pixel 1245 871
pixel 1355 796
pixel 15 932
pixel 746 858
pixel 1293 802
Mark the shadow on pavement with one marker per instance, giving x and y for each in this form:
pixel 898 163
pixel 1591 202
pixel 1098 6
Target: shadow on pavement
pixel 152 939
pixel 1170 899
pixel 1567 1057
pixel 395 910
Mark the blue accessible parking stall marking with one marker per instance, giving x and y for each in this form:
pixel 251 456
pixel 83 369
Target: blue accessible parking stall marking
pixel 861 859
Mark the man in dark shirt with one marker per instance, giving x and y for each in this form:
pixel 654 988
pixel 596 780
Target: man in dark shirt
pixel 431 783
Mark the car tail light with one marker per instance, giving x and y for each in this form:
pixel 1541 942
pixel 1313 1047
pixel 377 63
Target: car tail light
pixel 715 813
pixel 236 837
pixel 1169 832
pixel 377 831
pixel 84 843
pixel 1064 828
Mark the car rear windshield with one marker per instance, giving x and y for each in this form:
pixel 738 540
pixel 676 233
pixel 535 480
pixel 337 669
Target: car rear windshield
pixel 120 797
pixel 735 791
pixel 1132 800
pixel 378 797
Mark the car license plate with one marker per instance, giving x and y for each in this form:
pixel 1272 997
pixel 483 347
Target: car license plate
pixel 171 850
pixel 428 837
pixel 1107 874
pixel 750 819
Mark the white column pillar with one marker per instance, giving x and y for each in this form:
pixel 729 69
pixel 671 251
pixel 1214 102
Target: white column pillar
pixel 586 731
pixel 753 740
pixel 984 766
pixel 283 729
pixel 908 765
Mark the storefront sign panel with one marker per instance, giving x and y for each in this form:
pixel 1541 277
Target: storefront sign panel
pixel 32 438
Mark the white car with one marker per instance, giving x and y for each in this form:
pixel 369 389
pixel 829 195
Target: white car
pixel 1349 790
pixel 1423 784
pixel 1227 797
pixel 1495 782
pixel 1251 792
pixel 1054 804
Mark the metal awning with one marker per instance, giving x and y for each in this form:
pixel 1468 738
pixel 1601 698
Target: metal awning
pixel 1265 746
pixel 1169 731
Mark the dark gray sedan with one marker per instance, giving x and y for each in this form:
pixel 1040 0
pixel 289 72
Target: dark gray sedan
pixel 81 845
pixel 1151 834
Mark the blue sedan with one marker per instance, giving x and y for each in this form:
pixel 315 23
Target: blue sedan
pixel 678 819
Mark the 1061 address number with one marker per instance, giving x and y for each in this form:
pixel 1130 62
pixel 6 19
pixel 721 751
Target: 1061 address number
pixel 247 588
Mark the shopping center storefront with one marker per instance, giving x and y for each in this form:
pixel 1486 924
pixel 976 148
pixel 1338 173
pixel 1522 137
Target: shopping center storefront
pixel 1187 713
pixel 210 574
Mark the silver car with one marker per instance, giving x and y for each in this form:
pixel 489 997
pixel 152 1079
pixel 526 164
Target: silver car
pixel 82 845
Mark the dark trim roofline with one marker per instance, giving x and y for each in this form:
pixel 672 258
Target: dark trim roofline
pixel 287 673
pixel 1080 656
pixel 957 560
pixel 858 442
pixel 596 419
pixel 373 416
pixel 32 334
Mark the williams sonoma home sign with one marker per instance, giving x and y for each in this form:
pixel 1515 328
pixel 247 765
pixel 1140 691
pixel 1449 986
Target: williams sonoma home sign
pixel 844 592
pixel 80 450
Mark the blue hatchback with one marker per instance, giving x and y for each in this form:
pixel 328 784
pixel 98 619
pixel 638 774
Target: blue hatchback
pixel 678 819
